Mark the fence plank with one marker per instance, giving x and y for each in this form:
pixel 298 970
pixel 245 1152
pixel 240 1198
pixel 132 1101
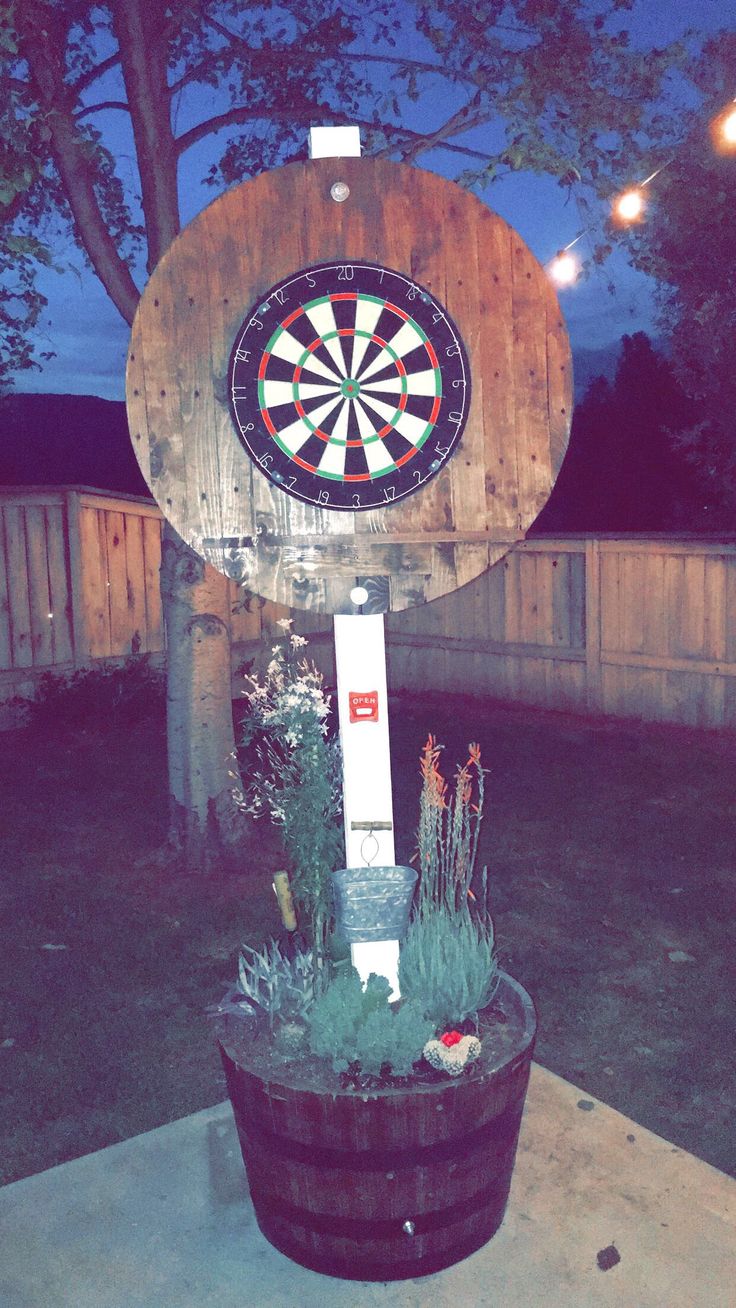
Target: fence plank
pixel 18 601
pixel 714 615
pixel 61 630
pixel 77 611
pixel 692 625
pixel 610 598
pixel 245 613
pixel 135 584
pixel 544 602
pixel 39 598
pixel 155 638
pixel 93 551
pixel 6 653
pixel 593 626
pixel 117 582
pixel 654 604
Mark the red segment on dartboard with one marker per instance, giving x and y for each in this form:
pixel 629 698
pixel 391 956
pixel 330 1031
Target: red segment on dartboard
pixel 292 317
pixel 399 312
pixel 406 457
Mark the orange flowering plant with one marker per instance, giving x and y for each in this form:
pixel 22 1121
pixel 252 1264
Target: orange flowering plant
pixel 447 958
pixel 449 828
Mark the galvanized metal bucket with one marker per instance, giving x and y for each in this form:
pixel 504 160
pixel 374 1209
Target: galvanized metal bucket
pixel 372 903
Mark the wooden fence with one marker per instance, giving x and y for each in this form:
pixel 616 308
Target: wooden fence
pixel 79 583
pixel 632 627
pixel 635 627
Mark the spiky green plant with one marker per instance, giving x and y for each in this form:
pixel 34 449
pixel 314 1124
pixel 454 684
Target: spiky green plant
pixel 448 965
pixel 447 962
pixel 282 988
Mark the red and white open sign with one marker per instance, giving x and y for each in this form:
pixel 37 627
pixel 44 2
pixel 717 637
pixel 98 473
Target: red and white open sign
pixel 363 705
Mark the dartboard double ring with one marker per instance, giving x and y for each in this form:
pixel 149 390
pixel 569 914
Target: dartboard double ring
pixel 349 386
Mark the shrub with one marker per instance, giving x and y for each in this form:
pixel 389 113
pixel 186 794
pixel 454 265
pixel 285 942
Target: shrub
pixel 349 1025
pixel 447 965
pixel 102 696
pixel 295 777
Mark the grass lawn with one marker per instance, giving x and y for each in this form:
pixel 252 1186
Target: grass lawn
pixel 611 851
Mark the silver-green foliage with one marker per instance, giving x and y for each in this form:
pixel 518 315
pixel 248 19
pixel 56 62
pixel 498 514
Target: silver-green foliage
pixel 281 987
pixel 349 1024
pixel 448 965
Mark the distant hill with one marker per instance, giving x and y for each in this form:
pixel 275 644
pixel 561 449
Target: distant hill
pixel 53 440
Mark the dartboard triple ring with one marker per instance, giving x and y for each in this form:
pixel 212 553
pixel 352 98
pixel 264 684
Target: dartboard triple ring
pixel 349 386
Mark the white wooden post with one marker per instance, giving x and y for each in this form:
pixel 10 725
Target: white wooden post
pixel 362 702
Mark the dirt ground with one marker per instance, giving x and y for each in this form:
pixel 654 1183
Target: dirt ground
pixel 611 851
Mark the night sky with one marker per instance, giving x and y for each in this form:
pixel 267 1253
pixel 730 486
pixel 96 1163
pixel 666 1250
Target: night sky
pixel 90 339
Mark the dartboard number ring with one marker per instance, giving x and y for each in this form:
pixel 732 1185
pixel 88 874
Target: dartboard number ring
pixel 349 386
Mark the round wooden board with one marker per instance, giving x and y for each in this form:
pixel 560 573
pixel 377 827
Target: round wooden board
pixel 500 299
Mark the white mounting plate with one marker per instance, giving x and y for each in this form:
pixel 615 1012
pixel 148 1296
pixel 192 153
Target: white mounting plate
pixel 334 142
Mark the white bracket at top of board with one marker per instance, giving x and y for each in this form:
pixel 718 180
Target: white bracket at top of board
pixel 334 142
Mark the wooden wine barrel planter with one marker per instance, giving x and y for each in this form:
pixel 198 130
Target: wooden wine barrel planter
pixel 385 1184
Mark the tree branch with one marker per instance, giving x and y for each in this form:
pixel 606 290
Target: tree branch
pixel 418 141
pixel 461 121
pixel 97 108
pixel 71 154
pixel 278 57
pixel 87 79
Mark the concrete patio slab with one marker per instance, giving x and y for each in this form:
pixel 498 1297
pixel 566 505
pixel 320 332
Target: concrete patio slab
pixel 164 1221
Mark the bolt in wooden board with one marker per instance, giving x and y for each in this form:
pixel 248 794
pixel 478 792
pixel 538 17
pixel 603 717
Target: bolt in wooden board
pixel 450 249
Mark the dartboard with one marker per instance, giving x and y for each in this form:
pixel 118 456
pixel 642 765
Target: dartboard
pixel 349 385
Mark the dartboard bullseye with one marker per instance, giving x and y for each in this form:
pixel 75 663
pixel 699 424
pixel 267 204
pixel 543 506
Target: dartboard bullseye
pixel 349 386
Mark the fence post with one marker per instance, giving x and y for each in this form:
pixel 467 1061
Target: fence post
pixel 80 633
pixel 593 670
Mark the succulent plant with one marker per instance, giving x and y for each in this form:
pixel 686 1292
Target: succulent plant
pixel 281 987
pixel 352 1025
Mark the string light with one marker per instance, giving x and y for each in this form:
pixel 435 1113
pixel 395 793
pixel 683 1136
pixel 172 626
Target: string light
pixel 630 205
pixel 723 130
pixel 564 269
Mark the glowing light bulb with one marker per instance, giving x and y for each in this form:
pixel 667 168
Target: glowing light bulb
pixel 723 130
pixel 728 128
pixel 564 269
pixel 630 206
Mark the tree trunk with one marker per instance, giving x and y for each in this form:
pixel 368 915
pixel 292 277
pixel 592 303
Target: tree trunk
pixel 206 826
pixel 207 829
